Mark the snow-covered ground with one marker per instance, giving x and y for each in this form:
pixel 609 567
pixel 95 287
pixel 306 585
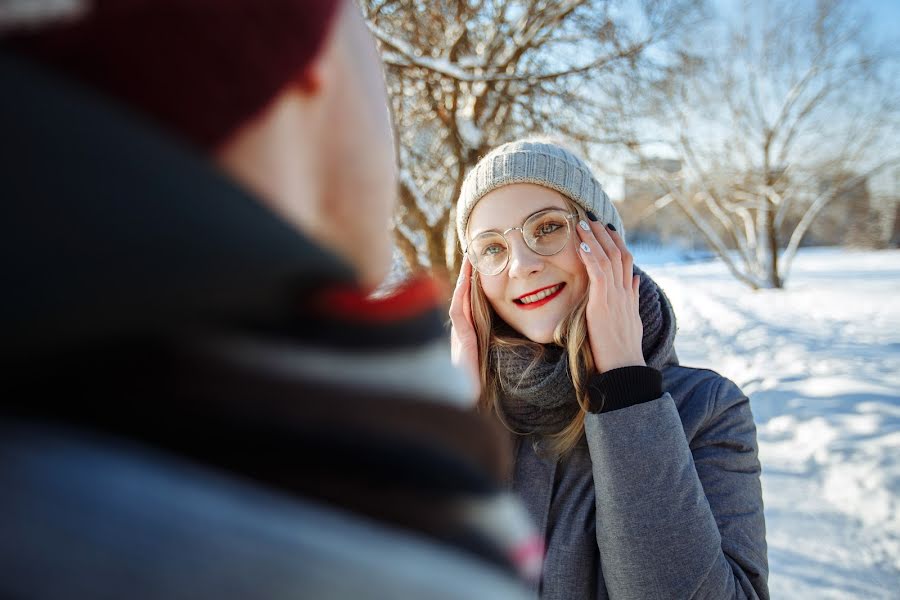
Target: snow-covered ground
pixel 821 364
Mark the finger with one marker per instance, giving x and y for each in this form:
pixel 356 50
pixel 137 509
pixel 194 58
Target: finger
pixel 469 276
pixel 636 294
pixel 460 277
pixel 586 235
pixel 462 268
pixel 460 294
pixel 611 250
pixel 595 273
pixel 627 257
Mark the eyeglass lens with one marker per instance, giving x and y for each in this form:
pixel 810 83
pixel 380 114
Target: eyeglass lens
pixel 546 233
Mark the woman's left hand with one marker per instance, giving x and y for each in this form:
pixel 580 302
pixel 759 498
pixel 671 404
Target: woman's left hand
pixel 614 323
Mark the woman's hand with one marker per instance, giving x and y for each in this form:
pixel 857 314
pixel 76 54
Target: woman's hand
pixel 463 341
pixel 613 320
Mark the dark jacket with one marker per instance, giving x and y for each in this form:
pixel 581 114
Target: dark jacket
pixel 196 402
pixel 661 500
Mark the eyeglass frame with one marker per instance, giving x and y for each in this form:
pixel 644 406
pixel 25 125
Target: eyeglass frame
pixel 521 229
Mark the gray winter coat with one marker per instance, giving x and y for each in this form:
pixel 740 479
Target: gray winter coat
pixel 661 500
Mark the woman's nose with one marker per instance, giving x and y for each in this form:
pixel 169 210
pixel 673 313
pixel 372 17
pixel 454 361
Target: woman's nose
pixel 523 261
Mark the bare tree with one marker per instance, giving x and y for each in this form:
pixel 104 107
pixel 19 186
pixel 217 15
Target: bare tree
pixel 466 75
pixel 776 115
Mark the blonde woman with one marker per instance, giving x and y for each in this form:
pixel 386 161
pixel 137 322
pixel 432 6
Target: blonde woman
pixel 641 473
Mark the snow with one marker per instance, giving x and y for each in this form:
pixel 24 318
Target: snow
pixel 471 135
pixel 401 53
pixel 820 362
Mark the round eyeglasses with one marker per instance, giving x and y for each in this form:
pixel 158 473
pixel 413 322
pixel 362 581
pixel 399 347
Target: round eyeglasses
pixel 545 232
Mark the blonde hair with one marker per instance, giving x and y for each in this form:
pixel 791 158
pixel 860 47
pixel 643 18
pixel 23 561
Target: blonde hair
pixel 570 333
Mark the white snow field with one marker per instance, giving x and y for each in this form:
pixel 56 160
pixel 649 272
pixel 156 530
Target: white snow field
pixel 820 362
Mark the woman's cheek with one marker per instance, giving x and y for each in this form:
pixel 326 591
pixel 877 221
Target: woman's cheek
pixel 493 291
pixel 580 285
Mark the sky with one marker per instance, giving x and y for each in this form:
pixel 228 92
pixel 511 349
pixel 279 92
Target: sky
pixel 883 15
pixel 885 18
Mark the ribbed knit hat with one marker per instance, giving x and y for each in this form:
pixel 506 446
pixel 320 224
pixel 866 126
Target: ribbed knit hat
pixel 541 162
pixel 199 68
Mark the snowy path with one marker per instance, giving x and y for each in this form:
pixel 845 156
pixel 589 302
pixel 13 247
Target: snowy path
pixel 821 364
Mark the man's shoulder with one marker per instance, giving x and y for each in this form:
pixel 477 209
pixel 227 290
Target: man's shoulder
pixel 108 517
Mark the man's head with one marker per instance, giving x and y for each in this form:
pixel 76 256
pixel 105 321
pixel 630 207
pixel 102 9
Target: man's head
pixel 286 95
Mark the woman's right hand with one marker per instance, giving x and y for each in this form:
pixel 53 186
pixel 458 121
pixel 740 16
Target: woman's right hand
pixel 463 341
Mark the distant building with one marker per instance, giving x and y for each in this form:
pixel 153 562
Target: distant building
pixel 640 182
pixel 885 187
pixel 649 219
pixel 843 219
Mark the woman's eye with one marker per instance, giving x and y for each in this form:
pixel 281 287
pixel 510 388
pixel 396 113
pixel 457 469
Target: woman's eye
pixel 492 250
pixel 547 228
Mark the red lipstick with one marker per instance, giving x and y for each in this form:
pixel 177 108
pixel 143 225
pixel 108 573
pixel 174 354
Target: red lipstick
pixel 538 303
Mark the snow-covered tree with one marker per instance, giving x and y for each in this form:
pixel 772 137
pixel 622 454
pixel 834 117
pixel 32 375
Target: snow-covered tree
pixel 466 75
pixel 776 112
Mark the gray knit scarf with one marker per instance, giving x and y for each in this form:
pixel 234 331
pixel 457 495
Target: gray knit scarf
pixel 537 394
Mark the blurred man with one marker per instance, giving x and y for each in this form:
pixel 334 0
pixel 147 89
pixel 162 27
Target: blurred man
pixel 199 399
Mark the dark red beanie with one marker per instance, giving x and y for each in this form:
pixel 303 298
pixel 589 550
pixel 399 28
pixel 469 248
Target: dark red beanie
pixel 201 68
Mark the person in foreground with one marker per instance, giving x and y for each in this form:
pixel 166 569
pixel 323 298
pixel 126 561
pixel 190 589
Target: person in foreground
pixel 199 399
pixel 642 474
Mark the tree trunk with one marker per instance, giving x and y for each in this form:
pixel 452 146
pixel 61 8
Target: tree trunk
pixel 408 250
pixel 772 231
pixel 436 244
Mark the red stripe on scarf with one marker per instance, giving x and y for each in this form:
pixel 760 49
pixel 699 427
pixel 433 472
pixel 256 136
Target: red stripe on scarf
pixel 413 298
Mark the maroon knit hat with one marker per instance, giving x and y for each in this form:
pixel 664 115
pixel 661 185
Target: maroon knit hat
pixel 201 68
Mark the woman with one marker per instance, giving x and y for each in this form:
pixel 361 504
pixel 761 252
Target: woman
pixel 642 474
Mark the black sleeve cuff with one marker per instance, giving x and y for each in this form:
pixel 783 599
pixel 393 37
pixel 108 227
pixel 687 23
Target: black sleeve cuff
pixel 624 387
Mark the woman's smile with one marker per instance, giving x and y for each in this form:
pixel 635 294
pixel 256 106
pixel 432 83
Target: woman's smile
pixel 539 297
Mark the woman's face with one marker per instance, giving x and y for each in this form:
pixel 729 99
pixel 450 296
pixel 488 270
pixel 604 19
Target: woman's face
pixel 511 293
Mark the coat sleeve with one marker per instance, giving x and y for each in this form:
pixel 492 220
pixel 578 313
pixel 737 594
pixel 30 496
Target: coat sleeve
pixel 680 520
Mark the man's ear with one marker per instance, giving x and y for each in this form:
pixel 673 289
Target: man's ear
pixel 320 73
pixel 312 80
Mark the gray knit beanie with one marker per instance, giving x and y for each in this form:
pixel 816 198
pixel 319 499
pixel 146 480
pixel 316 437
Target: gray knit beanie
pixel 541 162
